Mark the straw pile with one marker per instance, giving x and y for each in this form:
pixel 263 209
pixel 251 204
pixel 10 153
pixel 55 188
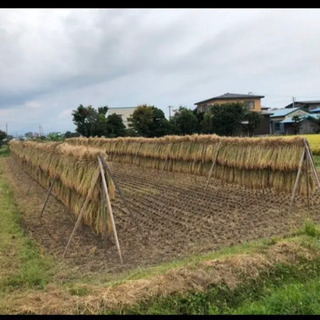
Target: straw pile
pixel 256 163
pixel 75 168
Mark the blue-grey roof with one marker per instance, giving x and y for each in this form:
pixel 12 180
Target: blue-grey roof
pixel 232 96
pixel 290 120
pixel 282 112
pixel 315 110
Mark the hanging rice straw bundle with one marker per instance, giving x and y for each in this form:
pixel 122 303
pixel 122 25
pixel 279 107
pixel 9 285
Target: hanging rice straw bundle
pixel 252 162
pixel 74 166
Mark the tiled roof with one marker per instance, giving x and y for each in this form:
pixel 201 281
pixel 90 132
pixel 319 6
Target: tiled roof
pixel 232 96
pixel 282 112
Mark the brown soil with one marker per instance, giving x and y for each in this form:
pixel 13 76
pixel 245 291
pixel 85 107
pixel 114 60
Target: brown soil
pixel 176 215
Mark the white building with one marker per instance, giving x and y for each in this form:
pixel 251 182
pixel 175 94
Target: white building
pixel 125 113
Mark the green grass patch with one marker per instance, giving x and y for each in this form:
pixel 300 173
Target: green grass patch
pixel 293 298
pixel 4 151
pixel 21 263
pixel 252 296
pixel 316 160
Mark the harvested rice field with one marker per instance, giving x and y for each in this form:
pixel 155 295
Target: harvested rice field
pixel 177 217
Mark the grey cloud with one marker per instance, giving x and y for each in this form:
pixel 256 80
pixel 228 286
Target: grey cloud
pixel 125 57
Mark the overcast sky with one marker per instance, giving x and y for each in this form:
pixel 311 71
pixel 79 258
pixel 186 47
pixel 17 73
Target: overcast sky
pixel 52 60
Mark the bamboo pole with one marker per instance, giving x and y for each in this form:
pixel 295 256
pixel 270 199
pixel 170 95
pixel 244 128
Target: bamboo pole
pixel 308 184
pixel 313 167
pixel 47 198
pixel 105 165
pixel 297 178
pixel 93 183
pixel 110 209
pixel 213 164
pixel 103 209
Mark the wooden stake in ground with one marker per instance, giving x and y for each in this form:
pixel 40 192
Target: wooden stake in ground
pixel 103 209
pixel 93 184
pixel 307 178
pixel 47 198
pixel 104 163
pixel 110 209
pixel 213 164
pixel 313 167
pixel 298 177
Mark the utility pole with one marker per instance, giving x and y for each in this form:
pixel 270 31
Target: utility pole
pixel 169 112
pixel 293 99
pixel 7 128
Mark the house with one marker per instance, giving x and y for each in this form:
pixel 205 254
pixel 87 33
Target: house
pixel 282 121
pixel 253 101
pixel 125 113
pixel 317 110
pixel 264 126
pixel 308 106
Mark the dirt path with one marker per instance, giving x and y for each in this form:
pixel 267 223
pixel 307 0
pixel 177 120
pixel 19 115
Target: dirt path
pixel 176 215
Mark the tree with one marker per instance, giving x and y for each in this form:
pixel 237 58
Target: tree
pixel 141 120
pixel 89 121
pixel 205 124
pixel 29 135
pixel 55 136
pixel 254 119
pixel 184 122
pixel 226 118
pixel 160 126
pixel 3 136
pixel 297 121
pixel 149 121
pixel 70 134
pixel 115 126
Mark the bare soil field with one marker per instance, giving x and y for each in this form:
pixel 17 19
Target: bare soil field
pixel 176 215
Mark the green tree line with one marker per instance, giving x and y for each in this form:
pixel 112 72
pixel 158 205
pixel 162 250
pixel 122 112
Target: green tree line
pixel 229 119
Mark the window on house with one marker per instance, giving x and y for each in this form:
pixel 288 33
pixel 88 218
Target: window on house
pixel 251 104
pixel 277 126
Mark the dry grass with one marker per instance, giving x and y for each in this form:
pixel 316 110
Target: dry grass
pixel 230 271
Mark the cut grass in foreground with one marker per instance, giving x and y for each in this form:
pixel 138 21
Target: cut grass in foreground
pixel 21 263
pixel 281 289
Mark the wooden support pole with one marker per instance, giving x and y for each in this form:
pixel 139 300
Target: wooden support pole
pixel 104 163
pixel 213 164
pixel 297 178
pixel 93 183
pixel 47 198
pixel 313 167
pixel 103 209
pixel 110 209
pixel 307 181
